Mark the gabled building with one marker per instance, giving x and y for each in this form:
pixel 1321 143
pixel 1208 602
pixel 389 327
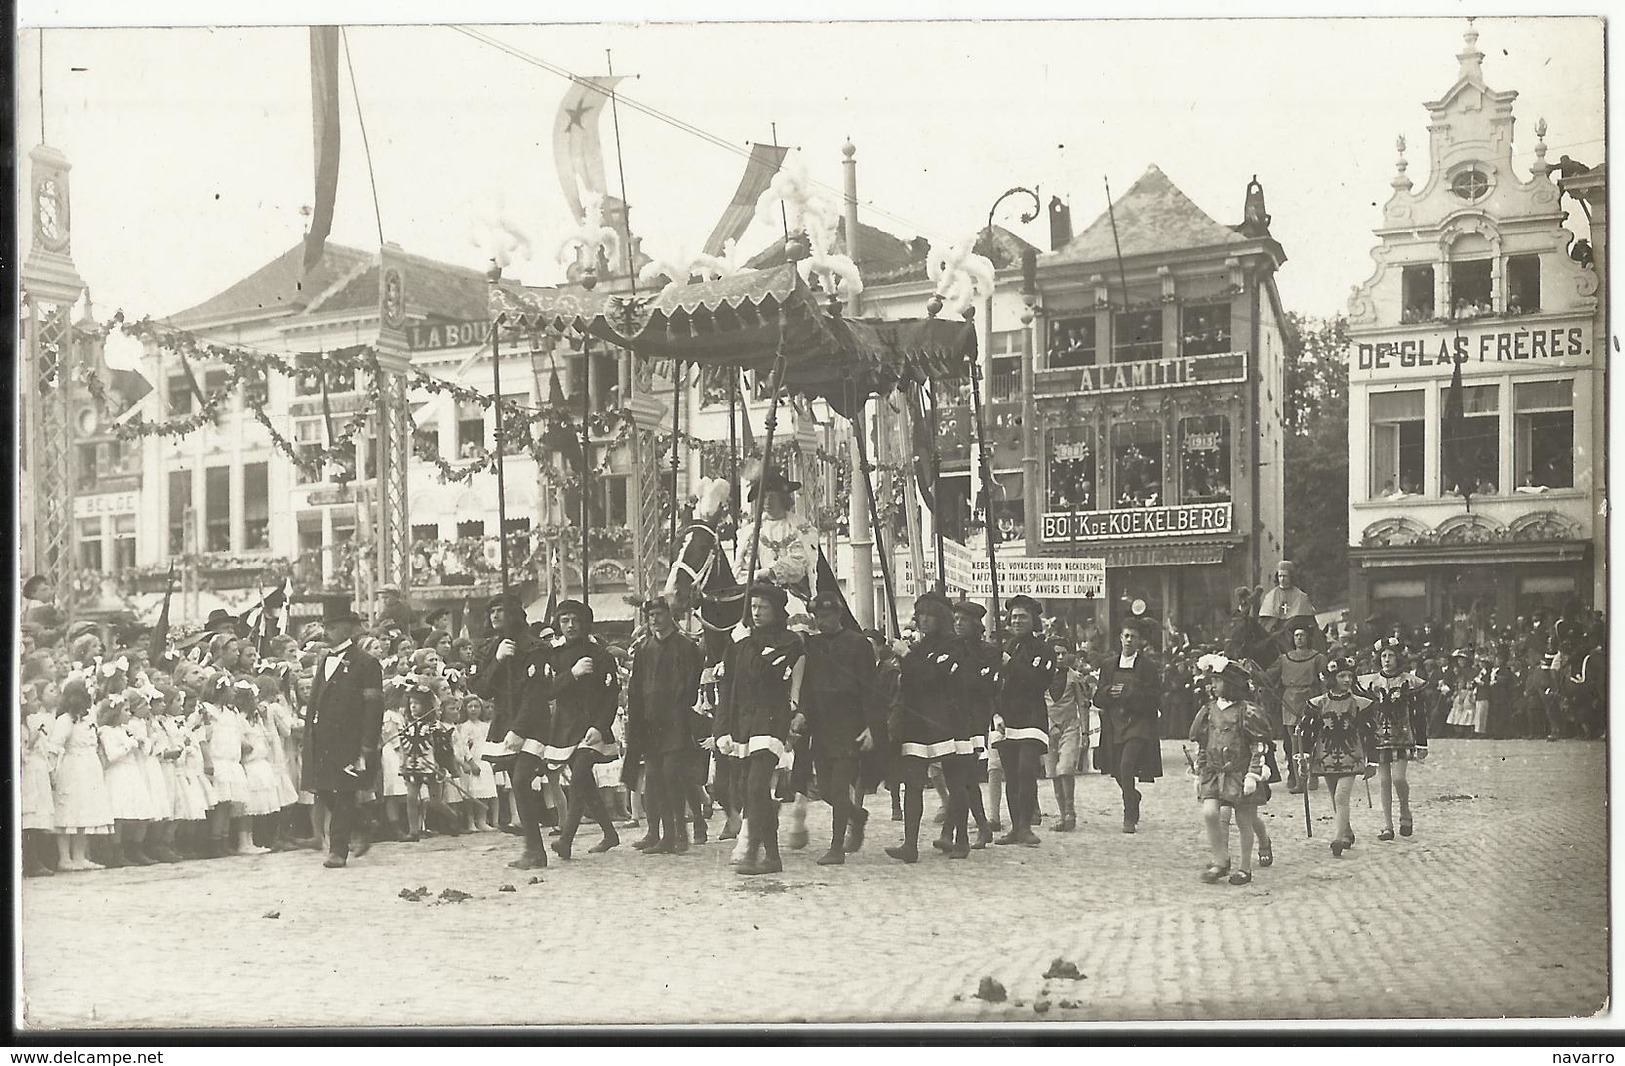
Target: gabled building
pixel 1155 435
pixel 1495 510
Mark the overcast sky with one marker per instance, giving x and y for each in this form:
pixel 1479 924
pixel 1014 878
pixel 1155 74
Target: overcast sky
pixel 191 148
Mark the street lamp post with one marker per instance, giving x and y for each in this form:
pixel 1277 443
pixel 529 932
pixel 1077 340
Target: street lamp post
pixel 989 522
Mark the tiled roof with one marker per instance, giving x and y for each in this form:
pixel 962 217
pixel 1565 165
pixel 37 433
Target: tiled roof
pixel 278 284
pixel 1153 216
pixel 440 290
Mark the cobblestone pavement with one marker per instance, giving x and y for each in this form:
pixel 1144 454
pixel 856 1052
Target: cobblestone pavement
pixel 1496 907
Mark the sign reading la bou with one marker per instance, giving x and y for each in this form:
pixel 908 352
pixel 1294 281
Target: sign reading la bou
pixel 1187 520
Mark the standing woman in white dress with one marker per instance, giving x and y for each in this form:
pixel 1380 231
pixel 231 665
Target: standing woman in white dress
pixel 36 811
pixel 81 806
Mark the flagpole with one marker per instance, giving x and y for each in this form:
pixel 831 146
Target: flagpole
pixel 586 461
pixel 495 276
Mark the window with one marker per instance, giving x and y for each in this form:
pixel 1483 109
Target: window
pixel 180 506
pixel 1204 459
pixel 1398 440
pixel 466 530
pixel 1523 284
pixel 307 442
pixel 255 391
pixel 470 429
pixel 309 381
pixel 1005 349
pixel 1204 329
pixel 90 544
pixel 1470 288
pixel 1400 601
pixel 217 509
pixel 1543 431
pixel 256 506
pixel 517 433
pixel 1472 462
pixel 951 401
pixel 1136 335
pixel 1009 504
pixel 1470 185
pixel 309 562
pixel 953 507
pixel 607 503
pixel 426 442
pixel 85 467
pixel 1071 342
pixel 1417 294
pixel 1545 592
pixel 179 395
pixel 113 461
pixel 1072 471
pixel 1137 464
pixel 123 542
pixel 425 533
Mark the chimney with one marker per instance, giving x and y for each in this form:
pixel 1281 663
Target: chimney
pixel 1060 224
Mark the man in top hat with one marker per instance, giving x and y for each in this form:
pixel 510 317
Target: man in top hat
pixel 843 719
pixel 223 621
pixel 514 672
pixel 977 711
pixel 661 726
pixel 1127 695
pixel 1028 670
pixel 787 549
pixel 586 692
pixel 343 719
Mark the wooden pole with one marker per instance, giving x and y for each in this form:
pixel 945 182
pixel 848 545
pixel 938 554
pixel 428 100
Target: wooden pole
pixel 865 470
pixel 586 463
pixel 988 524
pixel 676 429
pixel 502 497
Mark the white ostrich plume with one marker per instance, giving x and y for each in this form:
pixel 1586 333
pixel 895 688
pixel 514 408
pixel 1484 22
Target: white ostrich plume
pixel 836 273
pixel 960 275
pixel 591 237
pixel 499 239
pixel 807 208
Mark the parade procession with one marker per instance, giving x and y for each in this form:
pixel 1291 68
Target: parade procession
pixel 800 563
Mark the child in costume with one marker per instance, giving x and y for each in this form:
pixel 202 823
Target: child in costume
pixel 1399 720
pixel 1335 741
pixel 1232 735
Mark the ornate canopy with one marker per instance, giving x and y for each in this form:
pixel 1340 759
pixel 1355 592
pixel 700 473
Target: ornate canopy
pixel 745 321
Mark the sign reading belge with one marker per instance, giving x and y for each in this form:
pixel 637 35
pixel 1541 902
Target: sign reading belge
pixel 1136 522
pixel 1494 345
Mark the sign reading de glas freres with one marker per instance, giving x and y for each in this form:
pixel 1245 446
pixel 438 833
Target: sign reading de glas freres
pixel 1487 345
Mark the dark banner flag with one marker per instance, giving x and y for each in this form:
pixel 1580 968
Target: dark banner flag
pixel 1456 477
pixel 158 648
pixel 324 100
pixel 764 162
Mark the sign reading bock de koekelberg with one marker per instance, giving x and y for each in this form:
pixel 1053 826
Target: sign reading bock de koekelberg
pixel 1136 522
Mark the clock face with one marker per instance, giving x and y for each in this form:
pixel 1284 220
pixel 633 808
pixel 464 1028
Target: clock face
pixel 50 210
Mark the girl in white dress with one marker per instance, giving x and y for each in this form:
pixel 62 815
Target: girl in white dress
pixel 262 797
pixel 36 810
pixel 126 782
pixel 148 756
pixel 223 752
pixel 78 787
pixel 481 782
pixel 391 785
pixel 165 751
pixel 194 790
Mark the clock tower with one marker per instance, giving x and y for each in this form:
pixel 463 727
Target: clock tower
pixel 50 287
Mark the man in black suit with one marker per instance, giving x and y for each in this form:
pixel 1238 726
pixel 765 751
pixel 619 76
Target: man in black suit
pixel 1128 695
pixel 342 724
